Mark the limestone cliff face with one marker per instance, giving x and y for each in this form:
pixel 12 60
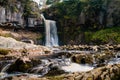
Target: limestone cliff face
pixel 7 14
pixel 108 16
pixel 18 11
pixel 113 13
pixel 92 15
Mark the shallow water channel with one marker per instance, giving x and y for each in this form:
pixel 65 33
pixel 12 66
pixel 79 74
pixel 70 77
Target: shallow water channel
pixel 40 70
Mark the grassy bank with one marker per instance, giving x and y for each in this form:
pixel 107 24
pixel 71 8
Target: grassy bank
pixel 107 35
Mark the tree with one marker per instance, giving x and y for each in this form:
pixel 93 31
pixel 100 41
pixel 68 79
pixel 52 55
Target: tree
pixel 94 10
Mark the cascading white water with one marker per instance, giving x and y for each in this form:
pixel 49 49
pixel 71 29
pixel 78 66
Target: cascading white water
pixel 51 33
pixel 62 64
pixel 115 60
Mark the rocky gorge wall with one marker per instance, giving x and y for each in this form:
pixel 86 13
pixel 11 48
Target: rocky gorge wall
pixel 8 15
pixel 19 12
pixel 78 20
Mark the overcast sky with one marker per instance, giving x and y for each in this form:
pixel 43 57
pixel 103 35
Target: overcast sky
pixel 37 1
pixel 40 1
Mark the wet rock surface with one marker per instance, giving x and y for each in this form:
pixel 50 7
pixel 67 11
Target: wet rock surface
pixel 12 47
pixel 109 72
pixel 87 57
pixel 106 47
pixel 10 43
pixel 20 65
pixel 49 67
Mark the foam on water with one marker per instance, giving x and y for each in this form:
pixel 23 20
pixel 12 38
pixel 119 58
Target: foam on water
pixel 114 61
pixel 74 67
pixel 4 75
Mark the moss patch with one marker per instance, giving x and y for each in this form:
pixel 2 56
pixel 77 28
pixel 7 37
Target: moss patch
pixel 108 35
pixel 6 35
pixel 55 77
pixel 4 51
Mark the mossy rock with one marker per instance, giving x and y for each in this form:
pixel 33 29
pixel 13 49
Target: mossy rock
pixel 20 66
pixel 54 70
pixel 36 62
pixel 55 77
pixel 82 58
pixel 4 51
pixel 6 35
pixel 105 56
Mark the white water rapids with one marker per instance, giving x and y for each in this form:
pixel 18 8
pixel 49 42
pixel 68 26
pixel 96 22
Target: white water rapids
pixel 62 64
pixel 74 67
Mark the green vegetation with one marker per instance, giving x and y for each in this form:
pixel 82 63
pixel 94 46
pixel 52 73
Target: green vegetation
pixel 68 13
pixel 55 77
pixel 4 51
pixel 3 2
pixel 107 35
pixel 78 21
pixel 29 7
pixel 85 21
pixel 9 4
pixel 6 35
pixel 51 1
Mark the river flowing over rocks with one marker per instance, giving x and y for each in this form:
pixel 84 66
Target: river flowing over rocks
pixel 77 62
pixel 33 34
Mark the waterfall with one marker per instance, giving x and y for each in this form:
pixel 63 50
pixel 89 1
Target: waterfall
pixel 50 32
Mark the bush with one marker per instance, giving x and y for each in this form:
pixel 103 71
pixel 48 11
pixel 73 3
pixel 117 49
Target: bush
pixel 88 36
pixel 4 51
pixel 109 35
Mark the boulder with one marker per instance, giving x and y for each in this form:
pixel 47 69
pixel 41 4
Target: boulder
pixel 100 58
pixel 109 72
pixel 117 47
pixel 54 70
pixel 47 70
pixel 20 65
pixel 82 58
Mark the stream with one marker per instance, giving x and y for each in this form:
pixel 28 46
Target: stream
pixel 42 69
pixel 47 64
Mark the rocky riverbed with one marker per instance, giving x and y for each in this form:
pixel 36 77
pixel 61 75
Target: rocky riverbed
pixel 65 66
pixel 22 61
pixel 108 72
